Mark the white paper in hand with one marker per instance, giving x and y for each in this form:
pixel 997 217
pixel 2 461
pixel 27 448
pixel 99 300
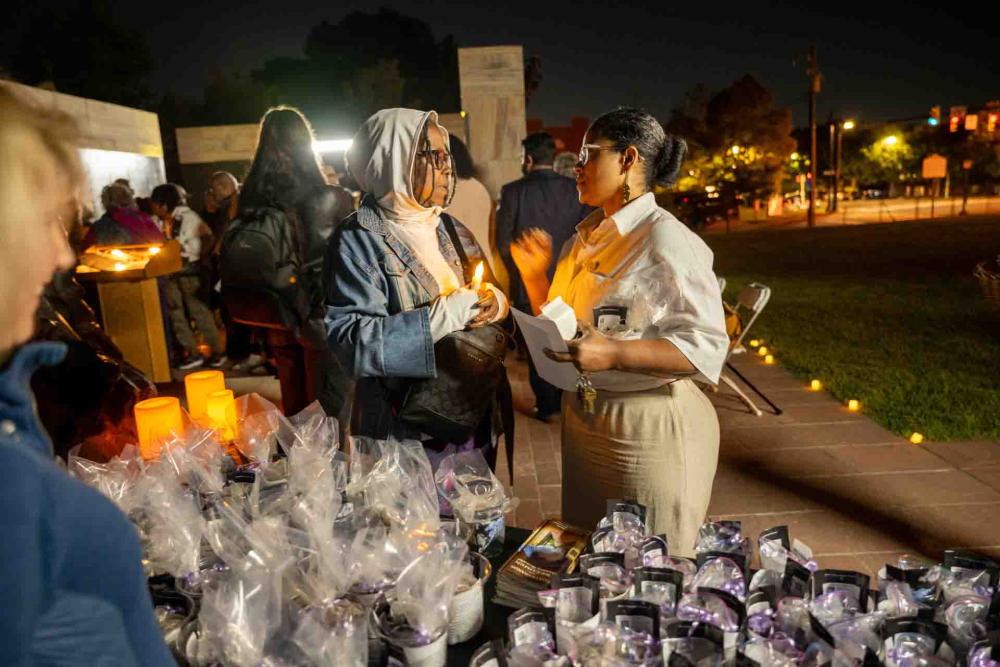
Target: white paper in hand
pixel 540 333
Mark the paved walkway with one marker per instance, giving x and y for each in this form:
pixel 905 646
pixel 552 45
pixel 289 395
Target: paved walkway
pixel 854 492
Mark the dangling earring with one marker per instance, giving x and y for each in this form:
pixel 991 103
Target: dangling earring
pixel 626 193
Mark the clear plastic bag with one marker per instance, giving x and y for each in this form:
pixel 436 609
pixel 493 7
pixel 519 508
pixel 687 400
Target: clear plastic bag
pixel 394 478
pixel 722 574
pixel 239 613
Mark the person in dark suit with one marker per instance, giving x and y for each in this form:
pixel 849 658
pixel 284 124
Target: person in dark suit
pixel 545 200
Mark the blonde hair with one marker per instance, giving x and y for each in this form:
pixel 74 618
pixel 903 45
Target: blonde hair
pixel 23 125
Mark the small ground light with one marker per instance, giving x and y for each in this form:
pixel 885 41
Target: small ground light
pixel 762 351
pixel 754 343
pixel 815 385
pixel 854 405
pixel 916 438
pixel 769 359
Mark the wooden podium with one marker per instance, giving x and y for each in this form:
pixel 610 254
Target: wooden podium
pixel 126 278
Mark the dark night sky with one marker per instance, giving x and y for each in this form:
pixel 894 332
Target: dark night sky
pixel 879 60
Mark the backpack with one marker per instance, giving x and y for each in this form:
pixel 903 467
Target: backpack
pixel 263 282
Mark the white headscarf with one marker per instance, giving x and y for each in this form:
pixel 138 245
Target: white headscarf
pixel 381 160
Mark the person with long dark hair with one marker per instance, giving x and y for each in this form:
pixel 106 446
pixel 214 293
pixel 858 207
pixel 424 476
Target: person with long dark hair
pixel 472 203
pixel 650 312
pixel 286 177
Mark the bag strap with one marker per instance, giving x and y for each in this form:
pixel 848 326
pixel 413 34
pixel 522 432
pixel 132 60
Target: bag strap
pixel 504 394
pixel 449 226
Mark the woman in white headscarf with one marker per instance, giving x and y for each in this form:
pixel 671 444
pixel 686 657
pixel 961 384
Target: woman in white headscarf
pixel 396 285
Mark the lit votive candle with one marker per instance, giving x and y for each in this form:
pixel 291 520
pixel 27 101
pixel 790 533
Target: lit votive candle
pixel 762 351
pixel 769 359
pixel 854 405
pixel 221 407
pixel 916 438
pixel 477 277
pixel 815 385
pixel 198 386
pixel 754 343
pixel 156 420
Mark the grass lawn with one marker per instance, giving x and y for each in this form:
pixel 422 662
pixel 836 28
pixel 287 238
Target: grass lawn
pixel 889 314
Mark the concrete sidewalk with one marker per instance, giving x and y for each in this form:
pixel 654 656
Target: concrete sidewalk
pixel 851 490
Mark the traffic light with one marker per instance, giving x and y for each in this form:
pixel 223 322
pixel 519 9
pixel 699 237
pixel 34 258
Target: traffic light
pixel 955 117
pixel 935 117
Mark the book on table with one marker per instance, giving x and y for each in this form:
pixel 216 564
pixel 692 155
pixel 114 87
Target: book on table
pixel 552 548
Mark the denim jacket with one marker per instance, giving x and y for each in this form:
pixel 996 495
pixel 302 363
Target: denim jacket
pixel 377 316
pixel 71 575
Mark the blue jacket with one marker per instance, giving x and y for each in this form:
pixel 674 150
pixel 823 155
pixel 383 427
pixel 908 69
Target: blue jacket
pixel 72 587
pixel 377 316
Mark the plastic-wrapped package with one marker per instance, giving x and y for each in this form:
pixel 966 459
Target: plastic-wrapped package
pixel 613 645
pixel 898 600
pixel 966 620
pixel 832 607
pixel 197 461
pixel 259 421
pixel 853 636
pixel 660 586
pixel 425 588
pixel 172 524
pixel 117 479
pixel 334 635
pixel 238 615
pixel 698 644
pixel 475 495
pixel 609 569
pixel 533 655
pixel 722 537
pixel 395 479
pixel 912 574
pixel 984 654
pixel 722 574
pixel 683 565
pixel 704 607
pixel 777 652
pixel 776 548
pixel 310 427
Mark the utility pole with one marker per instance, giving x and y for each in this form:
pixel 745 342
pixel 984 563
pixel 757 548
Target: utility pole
pixel 831 200
pixel 814 78
pixel 836 165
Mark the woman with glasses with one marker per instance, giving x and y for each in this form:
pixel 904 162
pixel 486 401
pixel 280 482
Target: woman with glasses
pixel 396 285
pixel 650 325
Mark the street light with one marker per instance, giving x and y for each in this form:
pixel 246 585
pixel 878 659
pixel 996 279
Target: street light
pixel 891 140
pixel 848 125
pixel 736 150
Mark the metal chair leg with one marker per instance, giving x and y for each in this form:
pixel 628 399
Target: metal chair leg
pixel 739 392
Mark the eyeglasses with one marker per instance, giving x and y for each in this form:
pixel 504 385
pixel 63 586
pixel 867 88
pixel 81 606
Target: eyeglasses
pixel 438 157
pixel 584 156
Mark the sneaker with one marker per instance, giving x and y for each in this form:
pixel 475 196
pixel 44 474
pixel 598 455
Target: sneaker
pixel 248 364
pixel 192 363
pixel 218 361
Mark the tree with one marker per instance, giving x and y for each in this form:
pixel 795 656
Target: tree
pixel 85 51
pixel 736 136
pixel 365 62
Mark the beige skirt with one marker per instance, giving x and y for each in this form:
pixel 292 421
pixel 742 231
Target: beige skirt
pixel 658 447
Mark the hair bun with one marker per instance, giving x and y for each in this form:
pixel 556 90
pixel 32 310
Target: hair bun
pixel 668 160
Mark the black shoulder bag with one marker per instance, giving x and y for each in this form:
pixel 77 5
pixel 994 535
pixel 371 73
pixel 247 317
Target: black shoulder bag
pixel 470 373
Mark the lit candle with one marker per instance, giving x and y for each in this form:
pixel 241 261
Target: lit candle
pixel 769 359
pixel 815 385
pixel 762 351
pixel 157 419
pixel 198 386
pixel 118 254
pixel 916 438
pixel 854 405
pixel 119 266
pixel 477 277
pixel 221 408
pixel 754 343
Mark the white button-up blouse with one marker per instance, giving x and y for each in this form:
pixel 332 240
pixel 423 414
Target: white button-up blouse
pixel 656 273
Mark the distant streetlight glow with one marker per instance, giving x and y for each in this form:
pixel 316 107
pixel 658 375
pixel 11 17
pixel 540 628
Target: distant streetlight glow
pixel 795 156
pixel 331 145
pixel 891 140
pixel 848 124
pixel 736 150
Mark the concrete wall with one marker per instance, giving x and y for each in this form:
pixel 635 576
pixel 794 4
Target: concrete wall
pixel 492 86
pixel 116 141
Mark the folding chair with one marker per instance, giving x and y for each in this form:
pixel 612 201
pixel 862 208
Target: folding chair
pixel 750 303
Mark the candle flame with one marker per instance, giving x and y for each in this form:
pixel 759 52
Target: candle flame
pixel 477 277
pixel 119 266
pixel 155 250
pixel 115 252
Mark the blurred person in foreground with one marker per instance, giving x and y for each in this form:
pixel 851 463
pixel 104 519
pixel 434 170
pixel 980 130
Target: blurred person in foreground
pixel 541 200
pixel 71 576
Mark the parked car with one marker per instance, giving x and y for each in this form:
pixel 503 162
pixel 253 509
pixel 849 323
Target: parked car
pixel 697 208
